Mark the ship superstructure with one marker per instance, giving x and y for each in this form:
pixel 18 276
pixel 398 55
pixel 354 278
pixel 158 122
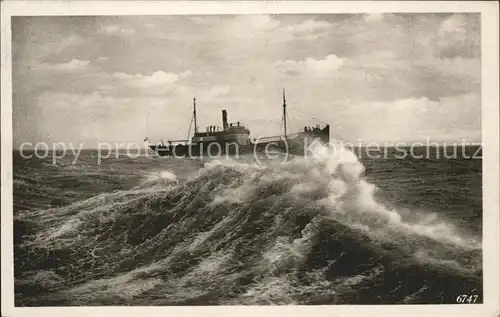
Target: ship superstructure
pixel 233 138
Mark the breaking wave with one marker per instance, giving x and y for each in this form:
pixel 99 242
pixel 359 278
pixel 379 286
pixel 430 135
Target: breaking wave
pixel 309 231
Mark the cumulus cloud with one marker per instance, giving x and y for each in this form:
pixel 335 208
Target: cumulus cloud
pixel 115 29
pixel 155 79
pixel 307 30
pixel 401 71
pixel 268 28
pixel 101 59
pixel 309 26
pixel 319 67
pixel 160 78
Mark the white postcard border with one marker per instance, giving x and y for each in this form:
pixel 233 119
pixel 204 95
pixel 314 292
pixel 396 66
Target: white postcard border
pixel 490 139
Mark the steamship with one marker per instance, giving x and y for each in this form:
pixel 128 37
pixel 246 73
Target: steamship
pixel 233 138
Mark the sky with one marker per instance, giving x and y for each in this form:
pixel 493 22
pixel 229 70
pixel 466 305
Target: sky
pixel 374 77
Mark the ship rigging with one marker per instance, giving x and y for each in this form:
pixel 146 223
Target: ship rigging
pixel 234 138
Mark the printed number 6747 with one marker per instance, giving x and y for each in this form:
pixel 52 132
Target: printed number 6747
pixel 467 299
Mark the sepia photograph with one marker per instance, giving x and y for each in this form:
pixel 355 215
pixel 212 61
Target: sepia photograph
pixel 195 158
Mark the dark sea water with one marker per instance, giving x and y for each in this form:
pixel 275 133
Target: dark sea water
pixel 327 229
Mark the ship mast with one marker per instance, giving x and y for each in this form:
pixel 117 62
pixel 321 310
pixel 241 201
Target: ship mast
pixel 284 112
pixel 194 116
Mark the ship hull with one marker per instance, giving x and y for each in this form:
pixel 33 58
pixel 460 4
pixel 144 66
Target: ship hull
pixel 215 149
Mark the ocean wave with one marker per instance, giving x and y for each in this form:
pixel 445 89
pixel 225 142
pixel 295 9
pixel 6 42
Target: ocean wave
pixel 308 231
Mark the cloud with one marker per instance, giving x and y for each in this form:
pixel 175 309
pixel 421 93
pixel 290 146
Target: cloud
pixel 155 79
pixel 374 17
pixel 456 38
pixel 105 118
pixel 459 66
pixel 115 29
pixel 308 30
pixel 101 59
pixel 71 66
pixel 73 40
pixel 412 119
pixel 162 78
pixel 266 28
pixel 357 72
pixel 214 92
pixel 454 26
pixel 312 66
pixel 84 101
pixel 263 23
pixel 309 26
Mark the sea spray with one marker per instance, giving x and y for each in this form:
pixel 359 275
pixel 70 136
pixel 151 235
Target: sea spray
pixel 310 230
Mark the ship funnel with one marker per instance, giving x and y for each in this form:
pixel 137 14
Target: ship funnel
pixel 224 119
